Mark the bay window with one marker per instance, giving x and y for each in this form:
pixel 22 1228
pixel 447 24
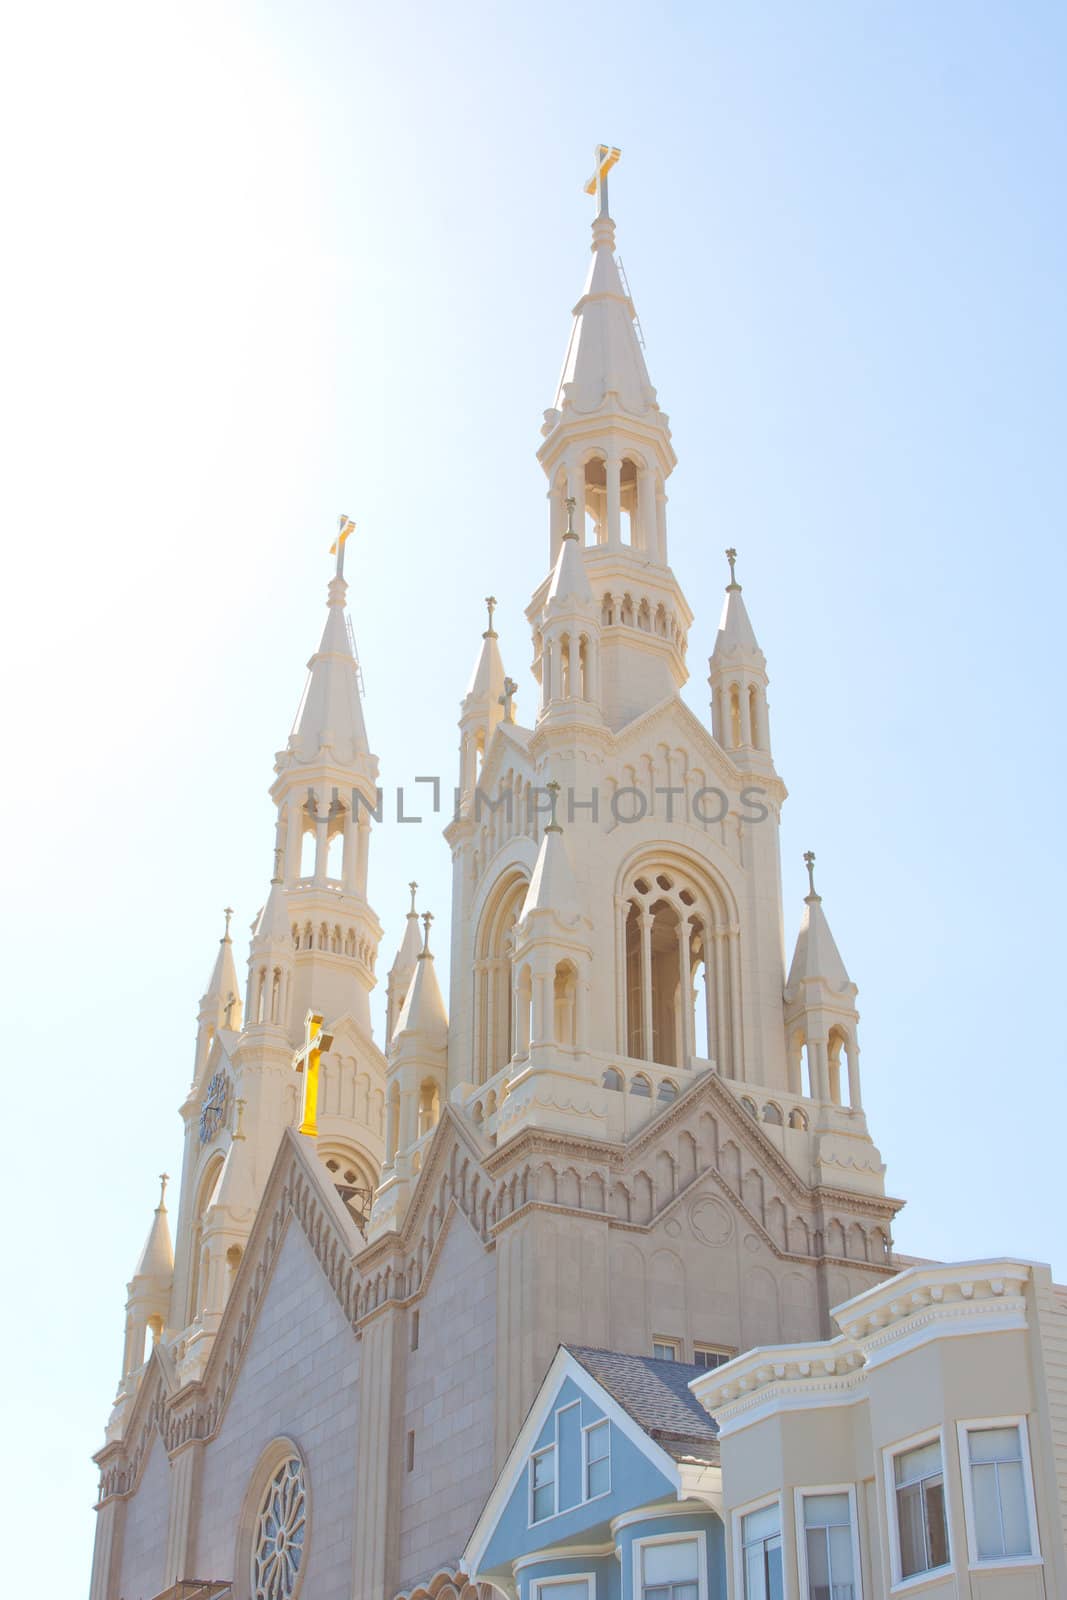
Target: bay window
pixel 996 1472
pixel 761 1553
pixel 826 1540
pixel 919 1505
pixel 669 1569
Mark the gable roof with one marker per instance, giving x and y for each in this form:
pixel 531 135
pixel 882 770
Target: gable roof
pixel 656 1395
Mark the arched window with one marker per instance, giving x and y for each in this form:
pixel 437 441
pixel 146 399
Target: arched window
pixel 335 855
pixel 677 951
pixel 429 1106
pixel 613 1080
pixel 837 1064
pixel 798 1120
pixel 494 1000
pixel 204 1191
pixel 640 1087
pixel 274 1527
pixel 307 853
pixel 667 1091
pixel 565 989
pixel 772 1114
pixel 392 1122
pixel 735 716
pixel 754 728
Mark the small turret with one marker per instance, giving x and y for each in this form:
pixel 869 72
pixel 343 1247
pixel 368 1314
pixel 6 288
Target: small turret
pixel 820 1009
pixel 737 677
pixel 220 1005
pixel 568 662
pixel 148 1291
pixel 403 968
pixel 417 1079
pixel 552 952
pixel 483 706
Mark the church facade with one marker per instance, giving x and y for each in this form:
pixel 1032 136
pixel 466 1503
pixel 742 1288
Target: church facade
pixel 632 1126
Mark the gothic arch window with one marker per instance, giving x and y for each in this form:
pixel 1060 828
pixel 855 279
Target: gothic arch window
pixel 204 1191
pixel 755 729
pixel 335 855
pixel 307 853
pixel 640 1087
pixel 679 945
pixel 565 995
pixel 613 1080
pixel 275 1526
pixel 429 1106
pixel 837 1065
pixel 735 716
pixel 353 1176
pixel 629 530
pixel 494 1004
pixel 595 521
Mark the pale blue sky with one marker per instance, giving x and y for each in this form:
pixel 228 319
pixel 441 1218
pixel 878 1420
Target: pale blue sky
pixel 277 262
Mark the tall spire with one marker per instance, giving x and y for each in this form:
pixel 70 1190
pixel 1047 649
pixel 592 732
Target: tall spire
pixel 220 1005
pixel 737 676
pixel 816 956
pixel 403 968
pixel 331 711
pixel 423 1011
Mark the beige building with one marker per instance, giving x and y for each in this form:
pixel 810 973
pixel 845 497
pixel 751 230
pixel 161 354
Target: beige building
pixel 634 1125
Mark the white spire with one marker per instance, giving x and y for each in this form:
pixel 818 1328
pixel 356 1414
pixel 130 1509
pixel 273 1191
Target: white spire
pixel 403 968
pixel 423 1011
pixel 155 1264
pixel 570 580
pixel 331 712
pixel 604 356
pixel 736 636
pixel 487 679
pixel 223 987
pixel 552 886
pixel 816 956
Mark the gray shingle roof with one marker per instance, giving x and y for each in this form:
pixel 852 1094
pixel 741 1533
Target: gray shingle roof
pixel 656 1395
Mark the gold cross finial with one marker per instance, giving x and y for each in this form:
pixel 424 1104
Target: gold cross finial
pixel 227 912
pixel 345 526
pixel 412 886
pixel 306 1060
pixel 570 503
pixel 809 862
pixel 427 919
pixel 164 1179
pixel 606 157
pixel 731 556
pixel 490 606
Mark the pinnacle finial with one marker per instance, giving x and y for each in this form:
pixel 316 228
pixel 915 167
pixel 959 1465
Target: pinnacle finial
pixel 413 886
pixel 427 919
pixel 552 789
pixel 278 853
pixel 227 913
pixel 511 689
pixel 570 503
pixel 164 1179
pixel 238 1116
pixel 490 606
pixel 731 556
pixel 809 862
pixel 345 526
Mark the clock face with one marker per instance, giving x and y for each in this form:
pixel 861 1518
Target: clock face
pixel 214 1107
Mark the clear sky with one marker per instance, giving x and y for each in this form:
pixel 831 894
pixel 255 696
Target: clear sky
pixel 266 263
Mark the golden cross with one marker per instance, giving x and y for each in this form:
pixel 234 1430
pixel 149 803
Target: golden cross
pixel 345 526
pixel 306 1060
pixel 606 157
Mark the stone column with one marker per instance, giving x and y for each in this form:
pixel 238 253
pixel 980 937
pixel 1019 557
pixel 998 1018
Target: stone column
pixel 574 647
pixel 180 1549
pixel 646 510
pixel 107 1550
pixel 646 984
pixel 685 987
pixel 855 1099
pixel 294 838
pixel 613 468
pixel 746 720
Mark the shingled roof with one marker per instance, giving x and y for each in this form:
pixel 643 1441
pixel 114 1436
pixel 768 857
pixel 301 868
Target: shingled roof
pixel 656 1395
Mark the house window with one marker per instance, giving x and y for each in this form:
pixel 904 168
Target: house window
pixel 580 1587
pixel 597 1459
pixel 543 1484
pixel 665 1349
pixel 919 1500
pixel 999 1504
pixel 761 1553
pixel 670 1570
pixel 709 1356
pixel 828 1556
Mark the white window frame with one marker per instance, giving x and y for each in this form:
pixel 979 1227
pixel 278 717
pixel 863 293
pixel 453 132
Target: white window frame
pixel 536 1522
pixel 899 1447
pixel 675 1344
pixel 713 1349
pixel 800 1529
pixel 601 1422
pixel 974 1425
pixel 539 1586
pixel 677 1537
pixel 737 1516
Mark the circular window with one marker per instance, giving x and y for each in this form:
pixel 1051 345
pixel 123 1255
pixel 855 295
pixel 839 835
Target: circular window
pixel 278 1538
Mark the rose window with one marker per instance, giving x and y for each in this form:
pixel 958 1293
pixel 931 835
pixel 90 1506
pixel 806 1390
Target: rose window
pixel 278 1541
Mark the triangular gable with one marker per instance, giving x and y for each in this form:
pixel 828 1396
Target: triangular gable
pixel 641 1472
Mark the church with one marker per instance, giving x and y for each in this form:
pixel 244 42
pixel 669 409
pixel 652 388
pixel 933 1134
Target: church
pixel 605 1228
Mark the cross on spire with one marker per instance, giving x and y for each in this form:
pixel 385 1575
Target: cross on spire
pixel 164 1179
pixel 809 862
pixel 731 556
pixel 605 156
pixel 490 606
pixel 227 913
pixel 412 886
pixel 306 1060
pixel 345 526
pixel 230 1003
pixel 511 689
pixel 427 919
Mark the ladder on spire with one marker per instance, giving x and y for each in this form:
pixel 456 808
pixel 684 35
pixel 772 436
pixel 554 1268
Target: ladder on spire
pixel 633 309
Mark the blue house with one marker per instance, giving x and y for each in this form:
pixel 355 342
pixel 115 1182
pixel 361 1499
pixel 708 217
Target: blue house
pixel 612 1490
